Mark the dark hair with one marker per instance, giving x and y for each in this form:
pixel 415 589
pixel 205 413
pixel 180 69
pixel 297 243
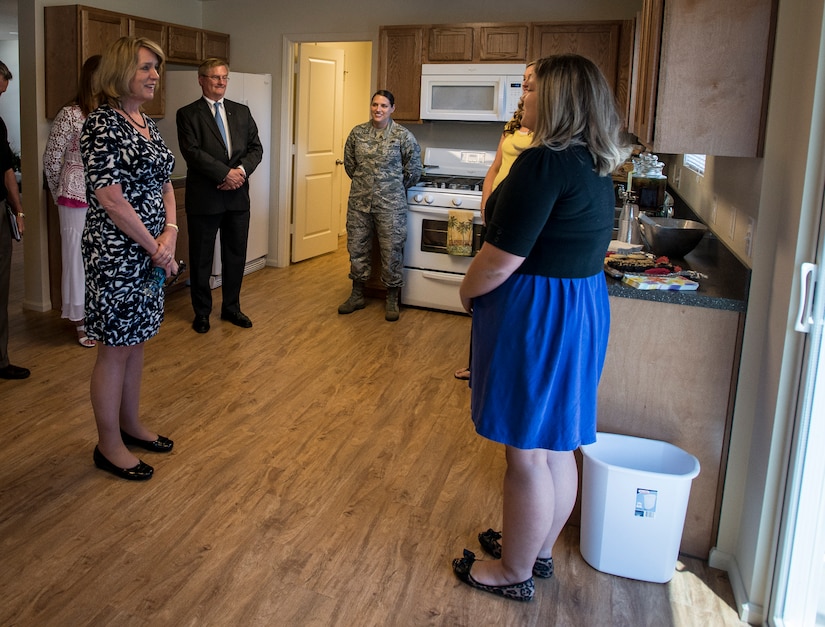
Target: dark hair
pixel 5 72
pixel 386 94
pixel 86 97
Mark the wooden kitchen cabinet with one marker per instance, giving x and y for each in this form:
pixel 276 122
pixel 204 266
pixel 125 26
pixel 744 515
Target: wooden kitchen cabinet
pixel 185 45
pixel 609 44
pixel 450 44
pixel 215 45
pixel 182 246
pixel 678 388
pixel 400 50
pixel 75 32
pixel 72 34
pixel 159 33
pixel 703 76
pixel 477 43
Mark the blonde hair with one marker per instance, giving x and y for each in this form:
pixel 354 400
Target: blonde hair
pixel 515 122
pixel 575 107
pixel 212 62
pixel 119 66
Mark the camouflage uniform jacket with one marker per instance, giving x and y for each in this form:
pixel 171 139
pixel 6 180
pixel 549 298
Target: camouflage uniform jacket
pixel 382 164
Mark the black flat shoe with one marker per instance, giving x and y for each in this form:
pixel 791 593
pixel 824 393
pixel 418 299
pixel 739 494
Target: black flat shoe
pixel 489 541
pixel 201 324
pixel 523 591
pixel 141 472
pixel 238 318
pixel 161 445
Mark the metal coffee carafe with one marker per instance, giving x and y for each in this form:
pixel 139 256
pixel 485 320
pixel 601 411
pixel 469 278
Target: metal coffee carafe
pixel 629 220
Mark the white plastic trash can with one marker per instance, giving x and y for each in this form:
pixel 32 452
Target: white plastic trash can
pixel 634 498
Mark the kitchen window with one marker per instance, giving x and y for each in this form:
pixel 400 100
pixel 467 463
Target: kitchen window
pixel 695 163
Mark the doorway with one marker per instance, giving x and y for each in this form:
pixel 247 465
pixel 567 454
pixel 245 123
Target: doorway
pixel 357 83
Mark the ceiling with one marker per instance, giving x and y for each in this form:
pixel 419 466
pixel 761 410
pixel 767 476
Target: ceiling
pixel 8 19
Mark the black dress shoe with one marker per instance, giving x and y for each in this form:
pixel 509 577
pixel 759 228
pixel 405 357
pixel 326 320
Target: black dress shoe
pixel 16 372
pixel 161 445
pixel 141 472
pixel 238 318
pixel 201 324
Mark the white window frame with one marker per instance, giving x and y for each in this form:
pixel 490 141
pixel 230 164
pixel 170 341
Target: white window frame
pixel 696 163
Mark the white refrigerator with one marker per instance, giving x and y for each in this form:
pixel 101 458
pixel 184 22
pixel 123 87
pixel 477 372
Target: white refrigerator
pixel 255 91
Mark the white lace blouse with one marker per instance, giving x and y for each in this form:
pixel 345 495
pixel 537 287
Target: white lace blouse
pixel 62 163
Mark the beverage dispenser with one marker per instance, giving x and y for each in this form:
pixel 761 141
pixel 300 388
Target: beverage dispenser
pixel 648 183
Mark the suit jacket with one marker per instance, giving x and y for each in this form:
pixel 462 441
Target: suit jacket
pixel 207 161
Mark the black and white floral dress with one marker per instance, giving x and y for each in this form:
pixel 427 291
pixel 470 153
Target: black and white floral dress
pixel 121 307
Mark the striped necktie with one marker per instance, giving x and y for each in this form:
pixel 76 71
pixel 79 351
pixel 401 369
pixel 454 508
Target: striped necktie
pixel 219 122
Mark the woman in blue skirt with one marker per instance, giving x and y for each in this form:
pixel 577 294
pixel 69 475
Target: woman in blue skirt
pixel 541 316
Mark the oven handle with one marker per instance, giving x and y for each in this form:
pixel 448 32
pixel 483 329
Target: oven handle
pixel 440 212
pixel 443 277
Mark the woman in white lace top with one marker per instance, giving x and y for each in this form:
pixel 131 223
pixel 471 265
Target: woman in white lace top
pixel 64 173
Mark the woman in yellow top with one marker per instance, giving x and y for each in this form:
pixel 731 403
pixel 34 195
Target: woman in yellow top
pixel 515 138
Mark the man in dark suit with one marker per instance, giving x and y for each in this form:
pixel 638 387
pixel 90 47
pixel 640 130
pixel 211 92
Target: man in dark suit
pixel 219 141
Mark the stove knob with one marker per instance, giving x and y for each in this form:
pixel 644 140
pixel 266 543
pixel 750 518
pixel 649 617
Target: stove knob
pixel 457 202
pixel 429 199
pixel 418 197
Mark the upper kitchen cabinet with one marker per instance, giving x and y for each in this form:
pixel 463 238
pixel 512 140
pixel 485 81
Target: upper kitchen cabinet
pixel 702 78
pixel 185 45
pixel 215 45
pixel 609 44
pixel 75 32
pixel 477 43
pixel 157 32
pixel 399 67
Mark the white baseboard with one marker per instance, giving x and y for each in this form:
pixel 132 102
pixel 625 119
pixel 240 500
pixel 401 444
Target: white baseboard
pixel 750 613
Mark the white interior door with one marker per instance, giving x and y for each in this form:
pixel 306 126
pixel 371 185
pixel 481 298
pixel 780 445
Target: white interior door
pixel 319 151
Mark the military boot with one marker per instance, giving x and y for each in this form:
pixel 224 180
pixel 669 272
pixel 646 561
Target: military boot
pixel 355 300
pixel 392 304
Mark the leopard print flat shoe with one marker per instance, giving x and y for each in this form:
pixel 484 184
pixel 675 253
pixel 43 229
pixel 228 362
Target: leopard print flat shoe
pixel 523 591
pixel 489 541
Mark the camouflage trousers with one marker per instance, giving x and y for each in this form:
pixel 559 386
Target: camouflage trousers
pixel 391 231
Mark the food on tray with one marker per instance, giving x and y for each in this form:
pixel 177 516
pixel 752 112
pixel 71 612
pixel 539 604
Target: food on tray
pixel 641 263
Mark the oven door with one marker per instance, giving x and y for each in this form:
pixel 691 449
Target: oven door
pixel 426 246
pixel 432 276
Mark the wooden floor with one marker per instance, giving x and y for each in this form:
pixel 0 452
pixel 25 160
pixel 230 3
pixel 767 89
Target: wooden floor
pixel 325 472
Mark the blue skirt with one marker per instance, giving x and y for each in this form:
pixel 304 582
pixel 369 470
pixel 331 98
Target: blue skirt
pixel 538 349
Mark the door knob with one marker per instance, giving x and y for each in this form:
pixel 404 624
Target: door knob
pixel 338 162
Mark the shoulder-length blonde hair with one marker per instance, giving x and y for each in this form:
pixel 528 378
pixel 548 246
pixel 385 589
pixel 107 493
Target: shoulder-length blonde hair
pixel 575 107
pixel 119 66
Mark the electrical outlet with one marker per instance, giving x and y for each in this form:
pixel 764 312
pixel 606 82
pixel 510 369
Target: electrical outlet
pixel 713 210
pixel 677 177
pixel 732 226
pixel 749 237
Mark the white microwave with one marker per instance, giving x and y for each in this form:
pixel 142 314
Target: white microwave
pixel 470 92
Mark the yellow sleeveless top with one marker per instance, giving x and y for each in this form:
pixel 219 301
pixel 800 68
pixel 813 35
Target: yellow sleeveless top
pixel 511 147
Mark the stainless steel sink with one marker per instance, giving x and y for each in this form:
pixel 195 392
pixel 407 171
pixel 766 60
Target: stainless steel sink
pixel 671 237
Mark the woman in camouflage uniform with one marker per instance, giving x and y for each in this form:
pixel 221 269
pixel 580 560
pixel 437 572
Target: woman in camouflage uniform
pixel 383 159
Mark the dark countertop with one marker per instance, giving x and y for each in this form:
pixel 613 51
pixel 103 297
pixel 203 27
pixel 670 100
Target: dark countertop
pixel 728 279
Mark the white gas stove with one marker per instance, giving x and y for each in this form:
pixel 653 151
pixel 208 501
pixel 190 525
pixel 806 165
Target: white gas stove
pixel 452 183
